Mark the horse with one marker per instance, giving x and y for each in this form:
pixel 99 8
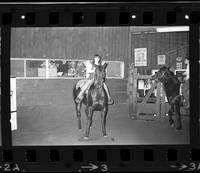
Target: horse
pixel 171 86
pixel 95 99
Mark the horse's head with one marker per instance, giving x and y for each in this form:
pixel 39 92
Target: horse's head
pixel 163 74
pixel 100 74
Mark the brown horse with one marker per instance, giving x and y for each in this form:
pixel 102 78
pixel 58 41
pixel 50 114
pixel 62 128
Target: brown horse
pixel 171 86
pixel 95 99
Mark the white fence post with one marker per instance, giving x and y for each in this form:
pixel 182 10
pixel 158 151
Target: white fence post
pixel 13 102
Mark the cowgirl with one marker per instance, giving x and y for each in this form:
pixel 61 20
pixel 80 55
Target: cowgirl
pixel 96 61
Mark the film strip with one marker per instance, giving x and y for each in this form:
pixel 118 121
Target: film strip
pixel 39 127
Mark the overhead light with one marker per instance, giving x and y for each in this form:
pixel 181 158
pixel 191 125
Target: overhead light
pixel 22 16
pixel 173 29
pixel 187 16
pixel 133 16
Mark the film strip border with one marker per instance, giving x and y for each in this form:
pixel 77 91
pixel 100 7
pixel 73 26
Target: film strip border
pixel 98 158
pixel 100 14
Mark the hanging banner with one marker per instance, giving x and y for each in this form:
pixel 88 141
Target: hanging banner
pixel 161 59
pixel 140 57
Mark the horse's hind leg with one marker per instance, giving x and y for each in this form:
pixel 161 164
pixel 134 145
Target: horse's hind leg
pixel 103 121
pixel 89 114
pixel 78 112
pixel 178 117
pixel 86 113
pixel 170 113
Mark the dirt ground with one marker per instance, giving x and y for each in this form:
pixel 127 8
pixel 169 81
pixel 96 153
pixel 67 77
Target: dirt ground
pixel 57 125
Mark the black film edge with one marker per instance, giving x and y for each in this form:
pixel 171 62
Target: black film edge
pixel 47 49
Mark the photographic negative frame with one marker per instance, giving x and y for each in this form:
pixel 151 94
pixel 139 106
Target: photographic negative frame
pixel 70 156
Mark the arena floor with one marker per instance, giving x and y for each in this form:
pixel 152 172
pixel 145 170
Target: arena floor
pixel 56 125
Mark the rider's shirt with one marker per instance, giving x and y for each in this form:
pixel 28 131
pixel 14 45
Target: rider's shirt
pixel 96 61
pixel 90 70
pixel 187 72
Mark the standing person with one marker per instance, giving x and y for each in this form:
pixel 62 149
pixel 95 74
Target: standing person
pixel 185 90
pixel 186 73
pixel 96 61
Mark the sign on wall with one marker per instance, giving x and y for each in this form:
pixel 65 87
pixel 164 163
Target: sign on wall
pixel 161 59
pixel 140 57
pixel 179 64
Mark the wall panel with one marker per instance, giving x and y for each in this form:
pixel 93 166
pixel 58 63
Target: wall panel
pixel 73 42
pixel 173 44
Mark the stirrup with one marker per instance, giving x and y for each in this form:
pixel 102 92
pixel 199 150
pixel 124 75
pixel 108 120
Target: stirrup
pixel 110 101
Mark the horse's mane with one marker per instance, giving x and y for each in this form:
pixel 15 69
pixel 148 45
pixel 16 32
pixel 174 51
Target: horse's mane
pixel 163 68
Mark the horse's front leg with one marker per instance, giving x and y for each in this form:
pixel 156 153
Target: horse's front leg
pixel 89 114
pixel 170 113
pixel 178 117
pixel 103 120
pixel 78 113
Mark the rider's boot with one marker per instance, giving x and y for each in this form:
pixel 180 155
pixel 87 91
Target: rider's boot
pixel 110 101
pixel 79 98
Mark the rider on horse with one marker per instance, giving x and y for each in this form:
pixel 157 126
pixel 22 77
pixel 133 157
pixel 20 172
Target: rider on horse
pixel 96 61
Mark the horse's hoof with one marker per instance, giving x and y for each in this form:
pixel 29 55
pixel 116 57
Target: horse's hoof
pixel 178 129
pixel 132 117
pixel 105 136
pixel 79 130
pixel 112 139
pixel 86 138
pixel 172 125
